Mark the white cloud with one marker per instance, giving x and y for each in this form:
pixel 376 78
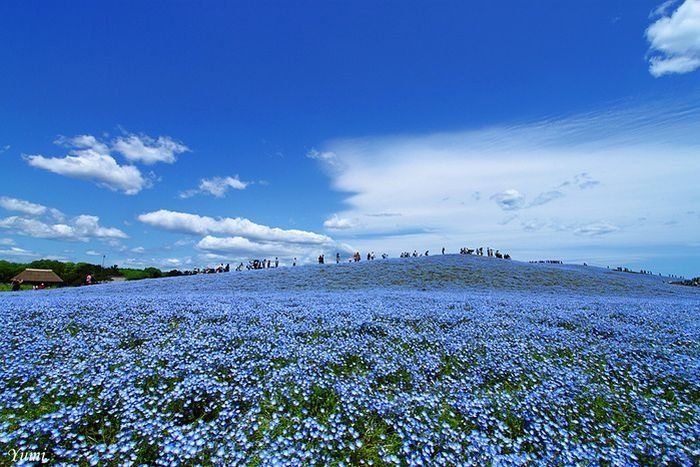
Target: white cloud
pixel 203 225
pixel 6 241
pixel 609 160
pixel 216 186
pixel 89 159
pixel 674 41
pixel 138 250
pixel 16 251
pixel 666 66
pixel 20 205
pixel 4 148
pixel 241 246
pixel 54 224
pixel 326 156
pixel 81 228
pixel 93 253
pixel 147 150
pixel 239 238
pixel 329 159
pixel 662 9
pixel 338 223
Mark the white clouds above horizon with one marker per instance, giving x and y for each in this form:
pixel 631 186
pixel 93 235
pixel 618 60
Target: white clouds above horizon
pixel 92 159
pixel 54 224
pixel 147 150
pixel 20 205
pixel 674 41
pixel 80 228
pixel 586 178
pixel 216 186
pixel 239 236
pixel 337 223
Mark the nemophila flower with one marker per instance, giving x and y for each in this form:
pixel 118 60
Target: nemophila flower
pixel 229 369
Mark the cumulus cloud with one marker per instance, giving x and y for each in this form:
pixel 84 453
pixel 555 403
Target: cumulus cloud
pixel 80 228
pixel 674 41
pixel 147 150
pixel 43 222
pixel 238 236
pixel 216 186
pixel 90 159
pixel 203 225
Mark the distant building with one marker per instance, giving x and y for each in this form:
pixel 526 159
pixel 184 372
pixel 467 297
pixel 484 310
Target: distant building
pixel 38 276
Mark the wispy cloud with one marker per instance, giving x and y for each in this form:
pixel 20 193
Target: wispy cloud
pixel 663 9
pixel 597 228
pixel 568 179
pixel 674 41
pixel 216 186
pixel 546 197
pixel 4 148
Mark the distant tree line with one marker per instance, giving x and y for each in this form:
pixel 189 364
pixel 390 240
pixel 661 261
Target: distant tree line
pixel 74 274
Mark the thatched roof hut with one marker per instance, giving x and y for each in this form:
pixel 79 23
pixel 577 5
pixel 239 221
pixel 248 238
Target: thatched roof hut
pixel 37 276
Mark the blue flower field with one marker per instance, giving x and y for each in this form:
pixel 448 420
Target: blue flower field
pixel 449 360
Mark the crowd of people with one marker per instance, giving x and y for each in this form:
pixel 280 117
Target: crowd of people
pixel 490 252
pixel 357 257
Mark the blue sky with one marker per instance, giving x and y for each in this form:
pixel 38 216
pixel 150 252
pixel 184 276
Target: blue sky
pixel 185 134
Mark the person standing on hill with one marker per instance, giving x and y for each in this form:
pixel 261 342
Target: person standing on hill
pixel 337 258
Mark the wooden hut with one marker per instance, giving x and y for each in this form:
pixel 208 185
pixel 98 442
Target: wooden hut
pixel 38 276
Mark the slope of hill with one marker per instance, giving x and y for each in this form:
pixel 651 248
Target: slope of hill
pixel 449 272
pixel 451 360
